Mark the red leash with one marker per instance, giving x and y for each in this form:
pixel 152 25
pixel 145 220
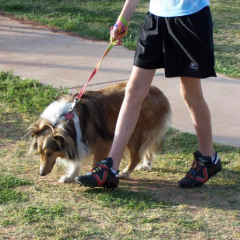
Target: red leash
pixel 123 32
pixel 69 115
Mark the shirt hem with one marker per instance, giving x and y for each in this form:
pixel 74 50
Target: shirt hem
pixel 176 13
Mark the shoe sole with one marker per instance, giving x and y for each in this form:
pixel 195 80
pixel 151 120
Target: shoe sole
pixel 200 184
pixel 106 188
pixel 190 186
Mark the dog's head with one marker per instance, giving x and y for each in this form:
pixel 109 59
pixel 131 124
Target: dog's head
pixel 51 143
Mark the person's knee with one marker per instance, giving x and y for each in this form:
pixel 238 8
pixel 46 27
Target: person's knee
pixel 191 90
pixel 133 93
pixel 185 95
pixel 191 98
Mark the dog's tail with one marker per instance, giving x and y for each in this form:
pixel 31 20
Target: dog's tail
pixel 156 137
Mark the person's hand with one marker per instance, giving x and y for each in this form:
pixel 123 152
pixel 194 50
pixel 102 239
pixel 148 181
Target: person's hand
pixel 118 31
pixel 114 31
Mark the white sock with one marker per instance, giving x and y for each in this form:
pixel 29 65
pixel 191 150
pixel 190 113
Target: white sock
pixel 213 158
pixel 113 171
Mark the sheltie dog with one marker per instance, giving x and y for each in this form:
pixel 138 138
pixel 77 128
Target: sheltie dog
pixel 91 130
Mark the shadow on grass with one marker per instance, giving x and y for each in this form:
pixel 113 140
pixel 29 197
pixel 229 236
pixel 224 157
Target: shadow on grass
pixel 221 192
pixel 142 194
pixel 126 197
pixel 12 127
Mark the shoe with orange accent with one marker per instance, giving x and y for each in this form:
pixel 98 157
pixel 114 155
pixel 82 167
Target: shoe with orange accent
pixel 100 176
pixel 203 168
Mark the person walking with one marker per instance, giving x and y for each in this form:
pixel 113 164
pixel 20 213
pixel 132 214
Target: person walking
pixel 177 35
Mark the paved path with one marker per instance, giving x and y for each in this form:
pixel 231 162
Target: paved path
pixel 63 60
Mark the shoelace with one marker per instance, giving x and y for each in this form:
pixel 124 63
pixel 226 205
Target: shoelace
pixel 98 167
pixel 196 166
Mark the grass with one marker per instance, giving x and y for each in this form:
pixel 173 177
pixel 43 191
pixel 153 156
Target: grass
pixel 148 205
pixel 93 18
pixel 7 193
pixel 29 95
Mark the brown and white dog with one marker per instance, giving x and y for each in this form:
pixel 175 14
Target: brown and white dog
pixel 91 130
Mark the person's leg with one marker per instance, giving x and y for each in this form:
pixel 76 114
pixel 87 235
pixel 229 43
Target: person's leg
pixel 206 162
pixel 136 91
pixel 191 92
pixel 105 174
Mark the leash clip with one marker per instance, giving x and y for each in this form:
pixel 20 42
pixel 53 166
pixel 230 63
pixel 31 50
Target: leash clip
pixel 75 101
pixel 69 115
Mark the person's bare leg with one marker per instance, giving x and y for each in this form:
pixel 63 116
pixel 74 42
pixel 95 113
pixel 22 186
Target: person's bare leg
pixel 136 90
pixel 191 92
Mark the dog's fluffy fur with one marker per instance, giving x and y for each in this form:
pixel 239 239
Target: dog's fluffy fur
pixel 91 130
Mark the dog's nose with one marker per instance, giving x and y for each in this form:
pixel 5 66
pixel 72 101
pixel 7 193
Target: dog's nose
pixel 42 172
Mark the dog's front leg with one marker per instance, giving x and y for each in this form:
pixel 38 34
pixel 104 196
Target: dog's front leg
pixel 72 172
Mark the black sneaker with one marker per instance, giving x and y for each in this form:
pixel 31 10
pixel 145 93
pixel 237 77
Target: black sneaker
pixel 202 169
pixel 100 176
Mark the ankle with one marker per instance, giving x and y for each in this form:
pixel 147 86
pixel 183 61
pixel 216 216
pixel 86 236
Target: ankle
pixel 116 163
pixel 207 152
pixel 211 157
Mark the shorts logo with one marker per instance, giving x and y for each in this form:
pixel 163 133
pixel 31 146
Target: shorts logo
pixel 193 66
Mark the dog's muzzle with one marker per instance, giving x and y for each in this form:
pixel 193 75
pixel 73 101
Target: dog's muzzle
pixel 42 172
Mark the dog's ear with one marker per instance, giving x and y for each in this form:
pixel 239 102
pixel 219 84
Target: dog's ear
pixel 38 126
pixel 66 145
pixel 60 140
pixel 34 128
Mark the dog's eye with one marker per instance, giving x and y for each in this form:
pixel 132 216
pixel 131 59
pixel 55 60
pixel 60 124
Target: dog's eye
pixel 49 154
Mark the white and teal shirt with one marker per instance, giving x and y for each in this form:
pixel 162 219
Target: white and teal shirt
pixel 176 8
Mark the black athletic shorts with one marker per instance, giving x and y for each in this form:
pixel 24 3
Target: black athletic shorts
pixel 182 45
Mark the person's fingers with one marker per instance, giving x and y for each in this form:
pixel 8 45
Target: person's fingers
pixel 118 41
pixel 115 32
pixel 115 36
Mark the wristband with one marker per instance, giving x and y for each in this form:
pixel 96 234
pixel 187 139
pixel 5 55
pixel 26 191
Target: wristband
pixel 120 27
pixel 123 20
pixel 122 31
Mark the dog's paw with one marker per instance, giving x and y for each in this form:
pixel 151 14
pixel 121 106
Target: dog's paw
pixel 124 174
pixel 65 179
pixel 143 167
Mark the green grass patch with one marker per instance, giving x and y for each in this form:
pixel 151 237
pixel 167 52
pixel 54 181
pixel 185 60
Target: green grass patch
pixel 8 182
pixel 149 205
pixel 28 96
pixel 7 193
pixel 34 214
pixel 93 18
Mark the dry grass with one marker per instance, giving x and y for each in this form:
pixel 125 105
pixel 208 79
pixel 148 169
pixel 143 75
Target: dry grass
pixel 146 206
